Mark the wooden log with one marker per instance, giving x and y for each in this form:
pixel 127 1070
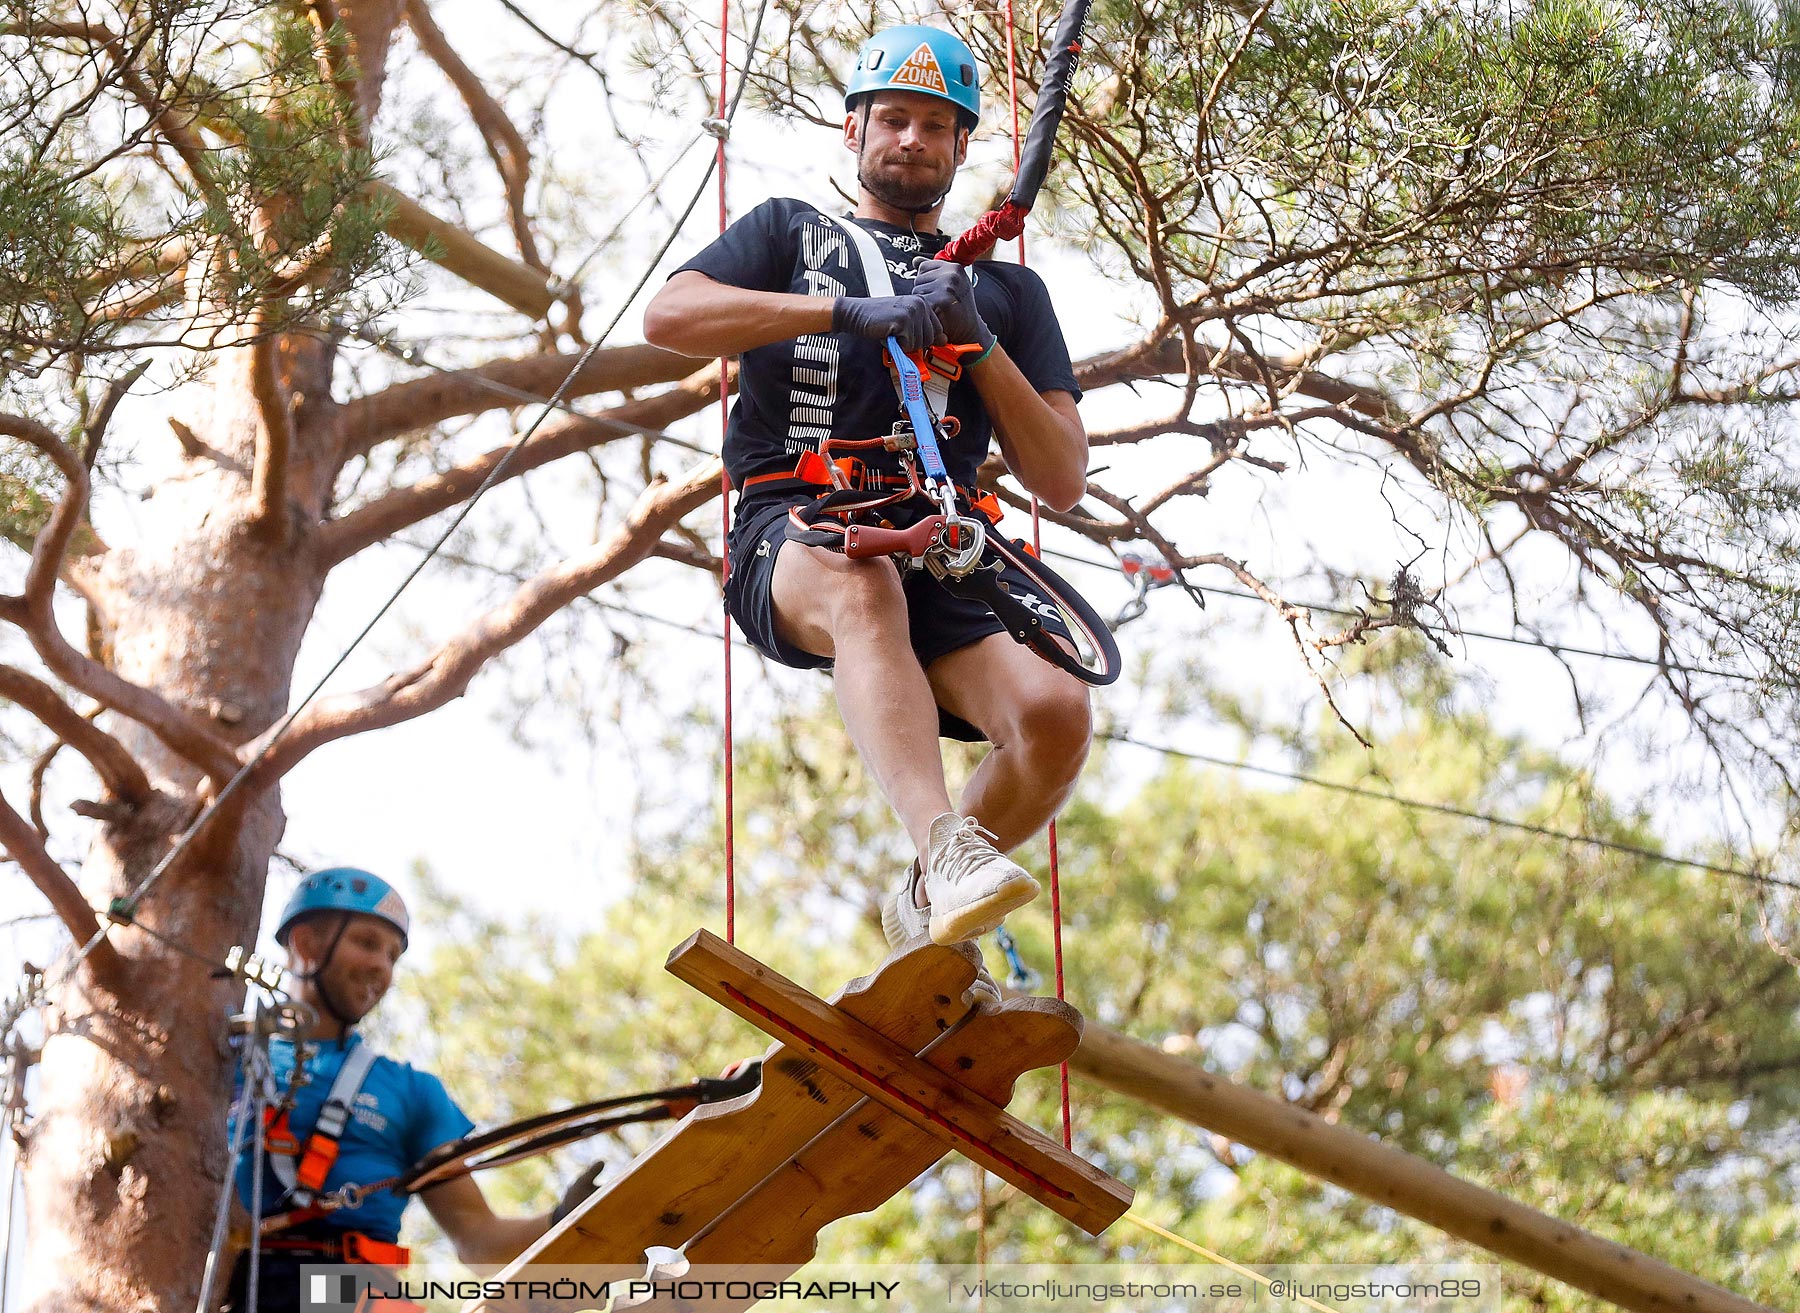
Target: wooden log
pixel 1397 1180
pixel 910 1087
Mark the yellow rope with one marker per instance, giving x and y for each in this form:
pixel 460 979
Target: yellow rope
pixel 1212 1257
pixel 981 1237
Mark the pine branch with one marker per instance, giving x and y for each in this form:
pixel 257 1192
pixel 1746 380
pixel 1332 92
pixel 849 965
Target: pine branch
pixel 370 27
pixel 527 290
pixel 179 130
pixel 447 672
pixel 274 436
pixel 33 611
pixel 1159 359
pixel 422 402
pixel 117 768
pixel 351 533
pixel 511 156
pixel 24 846
pixel 339 68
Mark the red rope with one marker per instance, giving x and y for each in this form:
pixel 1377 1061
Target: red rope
pixel 725 524
pixel 1056 939
pixel 1037 542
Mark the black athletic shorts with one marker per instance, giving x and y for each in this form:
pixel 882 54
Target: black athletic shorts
pixel 938 622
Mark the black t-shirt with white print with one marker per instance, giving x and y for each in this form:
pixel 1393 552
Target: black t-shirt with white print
pixel 793 394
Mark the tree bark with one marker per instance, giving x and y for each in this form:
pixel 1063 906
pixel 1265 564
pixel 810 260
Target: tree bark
pixel 126 1157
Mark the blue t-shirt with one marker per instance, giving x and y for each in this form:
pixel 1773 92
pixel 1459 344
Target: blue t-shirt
pixel 400 1115
pixel 793 394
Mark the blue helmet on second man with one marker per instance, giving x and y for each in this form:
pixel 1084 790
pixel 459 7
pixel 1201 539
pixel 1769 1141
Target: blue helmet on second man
pixel 344 889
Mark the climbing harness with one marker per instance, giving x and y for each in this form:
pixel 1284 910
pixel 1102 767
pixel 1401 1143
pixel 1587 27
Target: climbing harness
pixel 957 549
pixel 301 1168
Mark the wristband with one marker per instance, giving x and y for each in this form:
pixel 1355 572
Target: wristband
pixel 987 351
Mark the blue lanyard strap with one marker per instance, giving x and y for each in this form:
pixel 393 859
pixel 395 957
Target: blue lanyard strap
pixel 912 396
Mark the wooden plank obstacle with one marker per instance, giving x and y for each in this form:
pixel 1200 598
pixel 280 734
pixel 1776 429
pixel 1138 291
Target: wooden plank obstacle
pixel 859 1097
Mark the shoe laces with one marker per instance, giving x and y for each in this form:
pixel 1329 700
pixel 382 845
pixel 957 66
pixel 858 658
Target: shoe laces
pixel 967 847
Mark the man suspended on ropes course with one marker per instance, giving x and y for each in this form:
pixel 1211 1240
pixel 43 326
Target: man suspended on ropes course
pixel 808 301
pixel 357 1118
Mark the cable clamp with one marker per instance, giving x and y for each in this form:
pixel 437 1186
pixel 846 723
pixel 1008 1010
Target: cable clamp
pixel 346 1196
pixel 720 128
pixel 242 964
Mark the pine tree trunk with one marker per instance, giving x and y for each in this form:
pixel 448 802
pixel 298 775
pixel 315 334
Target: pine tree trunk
pixel 126 1155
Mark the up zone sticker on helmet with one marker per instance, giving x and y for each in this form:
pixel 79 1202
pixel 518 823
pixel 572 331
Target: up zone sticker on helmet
pixel 921 70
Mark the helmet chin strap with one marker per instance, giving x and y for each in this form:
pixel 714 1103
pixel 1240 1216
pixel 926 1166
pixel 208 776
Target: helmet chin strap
pixel 316 978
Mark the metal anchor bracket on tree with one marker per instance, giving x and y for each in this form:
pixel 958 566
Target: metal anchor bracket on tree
pixel 858 1098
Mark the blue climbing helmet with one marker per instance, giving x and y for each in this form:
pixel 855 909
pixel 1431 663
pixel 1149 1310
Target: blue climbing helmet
pixel 344 889
pixel 923 59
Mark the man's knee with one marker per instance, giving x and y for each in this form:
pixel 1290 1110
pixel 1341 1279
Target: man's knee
pixel 820 594
pixel 862 599
pixel 1053 724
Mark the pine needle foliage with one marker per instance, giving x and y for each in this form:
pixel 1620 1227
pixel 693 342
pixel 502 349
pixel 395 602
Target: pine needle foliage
pixel 169 169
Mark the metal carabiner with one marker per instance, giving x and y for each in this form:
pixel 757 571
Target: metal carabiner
pixel 954 562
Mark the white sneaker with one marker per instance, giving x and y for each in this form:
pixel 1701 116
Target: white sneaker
pixel 901 916
pixel 969 884
pixel 902 919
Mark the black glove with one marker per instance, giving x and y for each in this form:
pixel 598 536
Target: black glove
pixel 579 1189
pixel 907 318
pixel 944 286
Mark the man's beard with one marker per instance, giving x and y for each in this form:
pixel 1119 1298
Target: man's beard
pixel 914 190
pixel 344 998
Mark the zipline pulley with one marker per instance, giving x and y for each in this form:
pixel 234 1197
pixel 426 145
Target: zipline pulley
pixel 1145 573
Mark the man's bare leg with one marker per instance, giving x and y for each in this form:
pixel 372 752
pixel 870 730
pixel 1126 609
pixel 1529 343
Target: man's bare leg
pixel 855 612
pixel 1037 718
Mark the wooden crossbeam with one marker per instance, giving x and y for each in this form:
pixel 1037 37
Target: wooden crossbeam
pixel 867 1154
pixel 721 1151
pixel 1395 1179
pixel 749 1183
pixel 870 1153
pixel 891 1074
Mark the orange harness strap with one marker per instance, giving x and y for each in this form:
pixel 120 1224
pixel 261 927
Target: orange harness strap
pixel 851 472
